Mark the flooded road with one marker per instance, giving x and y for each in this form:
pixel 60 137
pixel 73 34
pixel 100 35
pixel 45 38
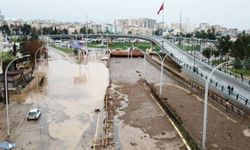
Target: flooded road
pixel 68 101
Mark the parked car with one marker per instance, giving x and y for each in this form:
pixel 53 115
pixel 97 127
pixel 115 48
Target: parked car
pixel 34 114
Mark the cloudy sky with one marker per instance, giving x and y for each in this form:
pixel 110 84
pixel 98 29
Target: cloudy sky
pixel 230 13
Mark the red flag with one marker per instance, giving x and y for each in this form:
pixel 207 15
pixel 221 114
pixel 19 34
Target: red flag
pixel 161 8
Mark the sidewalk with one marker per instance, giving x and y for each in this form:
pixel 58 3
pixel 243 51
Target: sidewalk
pixel 224 132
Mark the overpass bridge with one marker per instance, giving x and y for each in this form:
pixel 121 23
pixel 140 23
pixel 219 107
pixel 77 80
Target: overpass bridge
pixel 219 80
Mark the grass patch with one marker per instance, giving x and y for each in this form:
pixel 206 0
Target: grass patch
pixel 95 45
pixel 245 72
pixel 120 45
pixel 217 62
pixel 66 50
pixel 186 47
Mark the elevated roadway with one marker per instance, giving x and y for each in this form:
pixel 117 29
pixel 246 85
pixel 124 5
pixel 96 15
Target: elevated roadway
pixel 241 92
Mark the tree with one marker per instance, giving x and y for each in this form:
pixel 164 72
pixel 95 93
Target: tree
pixel 211 34
pixel 5 29
pixel 246 63
pixel 7 58
pixel 55 31
pixel 34 34
pixel 201 34
pixel 65 31
pixel 47 30
pixel 237 64
pixel 75 32
pixel 83 30
pixel 158 31
pixel 90 31
pixel 224 45
pixel 30 47
pixel 238 49
pixel 26 29
pixel 207 52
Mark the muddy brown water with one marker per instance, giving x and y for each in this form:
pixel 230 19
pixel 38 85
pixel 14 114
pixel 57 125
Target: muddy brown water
pixel 68 100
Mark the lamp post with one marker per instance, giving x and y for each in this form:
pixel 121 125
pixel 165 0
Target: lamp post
pixel 6 91
pixel 161 76
pixel 162 62
pixel 204 130
pixel 144 63
pixel 37 69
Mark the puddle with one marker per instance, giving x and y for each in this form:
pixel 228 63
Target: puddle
pixel 119 112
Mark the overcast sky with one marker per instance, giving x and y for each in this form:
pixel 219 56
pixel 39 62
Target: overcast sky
pixel 229 13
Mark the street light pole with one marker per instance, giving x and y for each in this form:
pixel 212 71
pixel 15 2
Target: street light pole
pixel 6 92
pixel 161 71
pixel 162 63
pixel 37 70
pixel 204 130
pixel 144 63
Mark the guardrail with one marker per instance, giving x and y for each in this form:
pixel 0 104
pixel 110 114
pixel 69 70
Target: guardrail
pixel 240 79
pixel 175 118
pixel 226 90
pixel 220 88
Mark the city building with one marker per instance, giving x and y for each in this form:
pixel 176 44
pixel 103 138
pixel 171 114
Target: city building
pixel 108 28
pixel 204 27
pixel 144 26
pixel 1 17
pixel 97 28
pixel 233 33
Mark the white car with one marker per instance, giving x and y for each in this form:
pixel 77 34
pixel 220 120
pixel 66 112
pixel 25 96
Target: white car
pixel 34 114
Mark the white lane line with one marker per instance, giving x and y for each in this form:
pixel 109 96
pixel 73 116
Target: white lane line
pixel 178 131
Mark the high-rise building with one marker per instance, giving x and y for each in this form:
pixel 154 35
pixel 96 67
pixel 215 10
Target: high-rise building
pixel 135 26
pixel 204 26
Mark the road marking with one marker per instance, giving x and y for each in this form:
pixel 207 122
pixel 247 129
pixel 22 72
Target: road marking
pixel 178 131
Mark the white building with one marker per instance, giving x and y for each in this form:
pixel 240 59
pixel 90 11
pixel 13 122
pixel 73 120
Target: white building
pixel 97 28
pixel 233 33
pixel 204 26
pixel 135 26
pixel 108 28
pixel 1 17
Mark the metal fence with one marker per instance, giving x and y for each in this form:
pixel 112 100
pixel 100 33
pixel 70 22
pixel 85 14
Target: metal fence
pixel 176 119
pixel 226 90
pixel 238 77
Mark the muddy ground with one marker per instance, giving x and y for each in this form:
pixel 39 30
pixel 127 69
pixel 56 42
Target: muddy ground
pixel 224 132
pixel 142 126
pixel 138 122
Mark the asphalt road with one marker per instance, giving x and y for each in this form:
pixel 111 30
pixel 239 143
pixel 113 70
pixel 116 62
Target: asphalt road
pixel 242 90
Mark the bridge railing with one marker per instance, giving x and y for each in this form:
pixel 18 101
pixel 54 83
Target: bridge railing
pixel 217 85
pixel 242 80
pixel 221 88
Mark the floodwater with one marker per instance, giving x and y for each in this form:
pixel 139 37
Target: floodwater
pixel 68 101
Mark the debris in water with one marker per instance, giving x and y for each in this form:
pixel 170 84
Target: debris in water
pixel 97 110
pixel 133 143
